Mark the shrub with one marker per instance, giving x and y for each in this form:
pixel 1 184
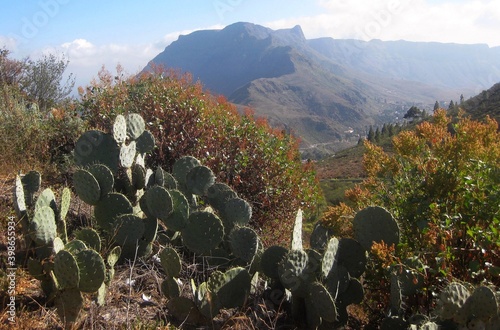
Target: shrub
pixel 443 185
pixel 262 164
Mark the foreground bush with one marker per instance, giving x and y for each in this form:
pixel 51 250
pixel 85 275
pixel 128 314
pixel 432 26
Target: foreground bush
pixel 262 164
pixel 442 183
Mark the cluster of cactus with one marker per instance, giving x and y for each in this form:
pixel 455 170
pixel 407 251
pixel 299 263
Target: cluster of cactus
pixel 205 218
pixel 112 177
pixel 324 279
pixel 66 268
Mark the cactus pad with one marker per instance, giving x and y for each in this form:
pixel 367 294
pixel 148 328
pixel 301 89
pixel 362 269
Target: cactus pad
pixel 199 179
pixel 170 261
pixel 46 198
pixel 231 287
pixel 322 302
pixel 129 229
pixel 92 270
pixel 297 232
pixel 320 237
pixel 375 224
pixel 293 269
pixel 451 299
pixel 270 260
pixel 135 126
pixel 120 129
pixel 170 288
pixel 114 256
pixel 75 246
pixel 203 232
pixel 68 305
pixel 177 220
pixel 145 143
pixel 31 182
pixel 109 207
pixel 237 212
pixel 90 237
pixel 87 187
pixel 353 256
pixel 43 227
pixel 104 177
pixel 165 179
pixel 127 154
pixel 159 202
pixel 182 167
pixel 66 270
pixel 218 194
pixel 330 256
pixel 97 147
pixel 244 243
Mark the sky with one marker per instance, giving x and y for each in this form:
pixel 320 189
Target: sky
pixel 94 33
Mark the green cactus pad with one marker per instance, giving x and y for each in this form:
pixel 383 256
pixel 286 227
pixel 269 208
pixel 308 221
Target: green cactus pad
pixel 114 256
pixel 90 237
pixel 66 270
pixel 203 232
pixel 120 129
pixel 46 198
pixel 337 281
pixel 92 270
pixel 182 167
pixel 218 194
pixel 352 255
pixel 170 261
pixel 129 229
pixel 199 179
pixel 170 288
pixel 19 198
pixel 375 224
pixel 451 299
pixel 322 302
pixel 135 126
pixel 109 207
pixel 86 187
pixel 31 182
pixel 237 212
pixel 184 310
pixel 127 154
pixel 96 147
pixel 138 176
pixel 68 304
pixel 150 229
pixel 481 305
pixel 207 303
pixel 270 260
pixel 354 293
pixel 293 272
pixel 57 244
pixel 65 203
pixel 320 237
pixel 43 227
pixel 244 243
pixel 75 246
pixel 104 177
pixel 330 256
pixel 165 179
pixel 231 287
pixel 159 202
pixel 145 143
pixel 177 220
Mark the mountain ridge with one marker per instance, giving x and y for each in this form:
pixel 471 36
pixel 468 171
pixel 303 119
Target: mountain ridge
pixel 322 88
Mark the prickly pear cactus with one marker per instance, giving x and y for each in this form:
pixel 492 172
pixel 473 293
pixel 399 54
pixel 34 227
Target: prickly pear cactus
pixel 375 224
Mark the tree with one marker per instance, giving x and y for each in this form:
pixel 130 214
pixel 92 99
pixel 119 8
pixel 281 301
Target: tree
pixel 413 112
pixel 436 106
pixel 43 81
pixel 371 135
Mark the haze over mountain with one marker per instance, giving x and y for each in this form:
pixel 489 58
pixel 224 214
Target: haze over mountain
pixel 324 89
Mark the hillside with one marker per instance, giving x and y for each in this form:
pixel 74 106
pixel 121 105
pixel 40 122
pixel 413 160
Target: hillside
pixel 324 90
pixel 486 103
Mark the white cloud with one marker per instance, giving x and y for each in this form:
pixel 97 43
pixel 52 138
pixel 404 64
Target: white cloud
pixel 414 20
pixel 8 43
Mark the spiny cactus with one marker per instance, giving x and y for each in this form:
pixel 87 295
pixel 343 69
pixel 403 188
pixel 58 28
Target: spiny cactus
pixel 375 224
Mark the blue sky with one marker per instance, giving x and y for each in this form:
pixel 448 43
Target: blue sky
pixel 93 33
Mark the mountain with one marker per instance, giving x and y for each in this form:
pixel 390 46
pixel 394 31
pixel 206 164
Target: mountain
pixel 327 91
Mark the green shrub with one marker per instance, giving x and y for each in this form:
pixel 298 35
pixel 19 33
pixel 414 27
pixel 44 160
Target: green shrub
pixel 262 164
